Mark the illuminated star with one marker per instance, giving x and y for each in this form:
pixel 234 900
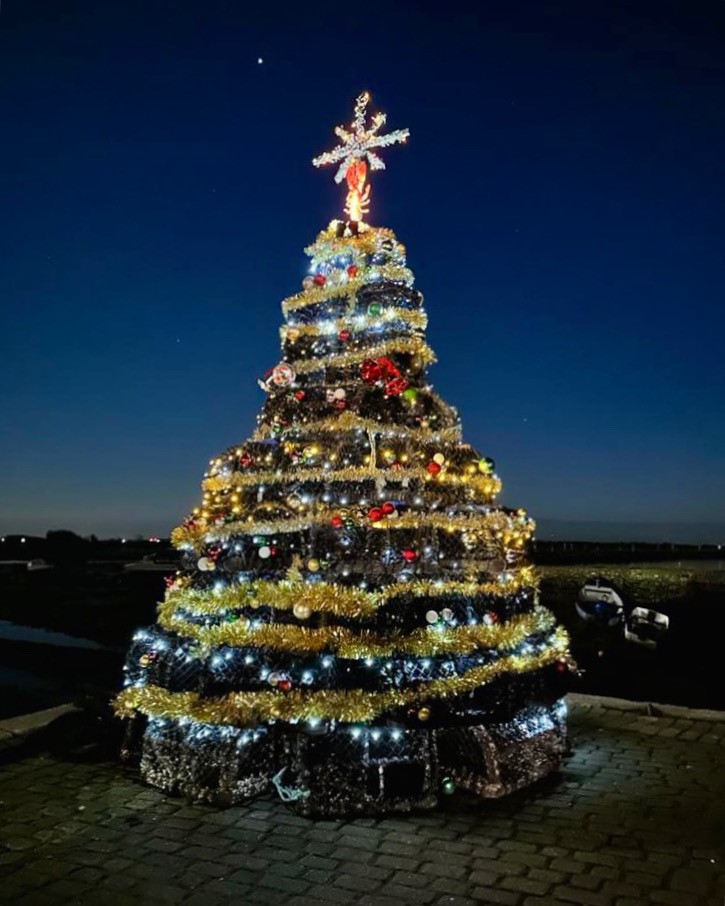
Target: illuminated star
pixel 358 144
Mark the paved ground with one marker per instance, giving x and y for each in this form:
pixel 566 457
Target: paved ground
pixel 635 817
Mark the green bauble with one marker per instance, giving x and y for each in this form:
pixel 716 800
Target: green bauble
pixel 374 309
pixel 486 465
pixel 411 394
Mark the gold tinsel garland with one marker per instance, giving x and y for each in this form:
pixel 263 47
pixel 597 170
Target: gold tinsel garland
pixel 488 485
pixel 418 320
pixel 493 525
pixel 349 421
pixel 349 706
pixel 347 643
pixel 330 598
pixel 368 241
pixel 315 295
pixel 412 345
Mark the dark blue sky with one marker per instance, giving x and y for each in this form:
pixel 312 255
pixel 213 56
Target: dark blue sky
pixel 562 198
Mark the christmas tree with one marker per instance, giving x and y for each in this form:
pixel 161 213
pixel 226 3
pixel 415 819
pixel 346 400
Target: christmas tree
pixel 355 624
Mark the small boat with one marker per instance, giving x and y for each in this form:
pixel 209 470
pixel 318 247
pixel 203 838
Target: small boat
pixel 645 627
pixel 153 563
pixel 599 602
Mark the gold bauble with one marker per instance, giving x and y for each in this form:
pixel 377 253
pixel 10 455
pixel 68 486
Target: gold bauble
pixel 424 714
pixel 301 611
pixel 313 565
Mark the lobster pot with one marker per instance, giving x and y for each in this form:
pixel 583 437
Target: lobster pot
pixel 360 770
pixel 493 760
pixel 207 763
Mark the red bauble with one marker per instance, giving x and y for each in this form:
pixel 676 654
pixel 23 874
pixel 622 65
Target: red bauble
pixel 340 404
pixel 561 667
pixel 245 460
pixel 371 372
pixel 352 270
pixel 433 468
pixel 395 386
pixel 319 279
pixel 336 522
pixel 299 394
pixel 388 507
pixel 284 685
pixel 375 514
pixel 344 336
pixel 409 555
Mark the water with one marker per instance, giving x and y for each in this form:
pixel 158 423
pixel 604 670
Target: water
pixel 16 633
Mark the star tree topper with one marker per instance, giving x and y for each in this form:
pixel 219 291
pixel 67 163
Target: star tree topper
pixel 355 152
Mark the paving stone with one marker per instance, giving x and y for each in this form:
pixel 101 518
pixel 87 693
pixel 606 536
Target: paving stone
pixel 634 817
pixel 496 895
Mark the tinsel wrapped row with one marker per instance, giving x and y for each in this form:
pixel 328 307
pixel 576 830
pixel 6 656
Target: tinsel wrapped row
pixel 335 599
pixel 361 643
pixel 340 705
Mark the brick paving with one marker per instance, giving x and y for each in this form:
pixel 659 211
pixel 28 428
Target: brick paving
pixel 636 816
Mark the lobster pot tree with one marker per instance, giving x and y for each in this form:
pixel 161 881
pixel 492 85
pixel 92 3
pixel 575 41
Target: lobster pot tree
pixel 355 624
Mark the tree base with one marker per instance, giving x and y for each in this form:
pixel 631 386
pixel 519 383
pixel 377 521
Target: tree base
pixel 353 770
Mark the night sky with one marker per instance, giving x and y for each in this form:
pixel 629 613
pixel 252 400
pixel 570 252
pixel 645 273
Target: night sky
pixel 562 198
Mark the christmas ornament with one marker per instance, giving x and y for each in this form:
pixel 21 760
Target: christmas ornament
pixel 388 508
pixel 313 565
pixel 448 786
pixel 319 279
pixel 206 564
pixel 352 271
pixel 371 372
pixel 439 458
pixel 375 514
pixel 409 555
pixel 395 386
pixel 336 522
pixel 431 616
pixel 245 460
pixel 433 468
pixel 410 394
pixel 301 611
pixel 486 465
pixel 300 395
pixel 375 309
pixel 389 368
pixel 265 552
pixel 424 714
pixel 283 375
pixel 308 283
pixel 344 336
